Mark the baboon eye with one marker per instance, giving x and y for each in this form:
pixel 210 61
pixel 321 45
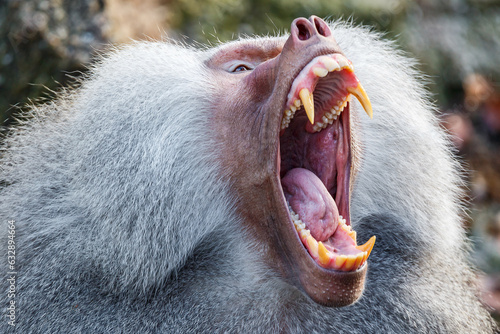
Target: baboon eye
pixel 241 68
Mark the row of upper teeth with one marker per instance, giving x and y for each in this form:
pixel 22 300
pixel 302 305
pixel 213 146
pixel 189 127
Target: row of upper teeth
pixel 326 120
pixel 320 67
pixel 331 115
pixel 289 113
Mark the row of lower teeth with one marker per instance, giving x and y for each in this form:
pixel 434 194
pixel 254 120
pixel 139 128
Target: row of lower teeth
pixel 300 226
pixel 325 257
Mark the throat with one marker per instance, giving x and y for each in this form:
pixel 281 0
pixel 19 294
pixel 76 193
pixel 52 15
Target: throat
pixel 322 160
pixel 315 174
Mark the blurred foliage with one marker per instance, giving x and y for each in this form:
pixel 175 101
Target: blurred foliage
pixel 42 40
pixel 451 38
pixel 224 19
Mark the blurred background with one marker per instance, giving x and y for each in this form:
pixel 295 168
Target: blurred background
pixel 44 43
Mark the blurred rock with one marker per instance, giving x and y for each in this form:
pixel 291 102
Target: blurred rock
pixel 39 39
pixel 45 42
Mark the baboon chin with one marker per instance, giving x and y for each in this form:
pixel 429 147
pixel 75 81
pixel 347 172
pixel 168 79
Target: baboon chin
pixel 297 183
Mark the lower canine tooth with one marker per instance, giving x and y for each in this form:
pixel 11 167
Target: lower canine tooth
pixel 368 246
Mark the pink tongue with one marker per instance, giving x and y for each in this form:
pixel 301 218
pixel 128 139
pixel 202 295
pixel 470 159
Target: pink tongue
pixel 313 203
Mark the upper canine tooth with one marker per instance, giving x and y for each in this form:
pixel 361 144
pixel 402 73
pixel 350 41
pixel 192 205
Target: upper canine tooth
pixel 360 93
pixel 308 101
pixel 320 72
pixel 330 64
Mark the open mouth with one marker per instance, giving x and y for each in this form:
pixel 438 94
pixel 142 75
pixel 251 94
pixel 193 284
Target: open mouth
pixel 315 161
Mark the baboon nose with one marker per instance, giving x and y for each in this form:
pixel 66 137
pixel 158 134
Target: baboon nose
pixel 304 30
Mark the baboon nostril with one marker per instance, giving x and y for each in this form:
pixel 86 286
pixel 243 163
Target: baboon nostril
pixel 303 33
pixel 321 27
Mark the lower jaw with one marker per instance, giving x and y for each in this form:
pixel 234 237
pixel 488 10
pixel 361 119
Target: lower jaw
pixel 339 252
pixel 333 288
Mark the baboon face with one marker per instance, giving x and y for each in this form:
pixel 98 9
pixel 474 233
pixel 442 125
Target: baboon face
pixel 282 112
